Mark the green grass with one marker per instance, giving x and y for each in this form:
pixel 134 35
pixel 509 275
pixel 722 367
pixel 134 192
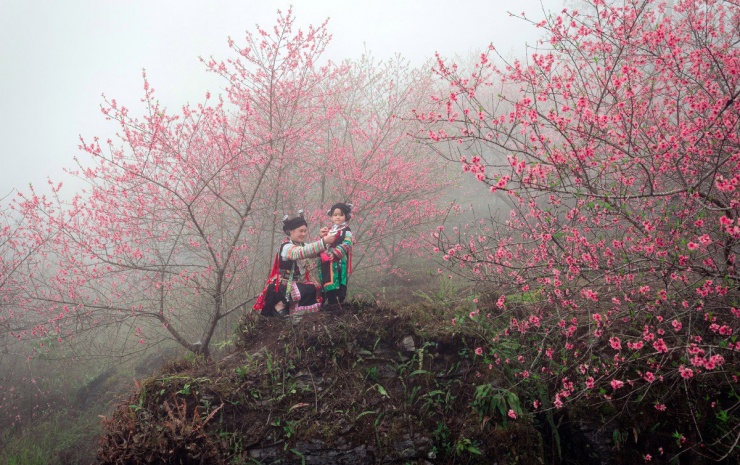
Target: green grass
pixel 54 440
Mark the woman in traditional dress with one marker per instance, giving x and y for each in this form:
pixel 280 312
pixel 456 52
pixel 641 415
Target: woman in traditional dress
pixel 290 289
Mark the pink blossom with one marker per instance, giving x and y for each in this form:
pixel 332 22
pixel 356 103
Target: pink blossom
pixel 564 225
pixel 478 351
pixel 512 414
pixel 660 346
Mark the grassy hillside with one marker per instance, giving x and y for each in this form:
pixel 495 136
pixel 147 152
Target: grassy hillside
pixel 365 384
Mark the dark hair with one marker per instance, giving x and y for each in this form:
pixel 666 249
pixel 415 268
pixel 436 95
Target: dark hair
pixel 346 208
pixel 293 223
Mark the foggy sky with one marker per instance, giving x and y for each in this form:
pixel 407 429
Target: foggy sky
pixel 58 57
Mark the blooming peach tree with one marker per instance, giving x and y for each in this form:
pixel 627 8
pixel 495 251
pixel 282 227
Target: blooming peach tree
pixel 178 220
pixel 616 144
pixel 162 242
pixel 24 395
pixel 369 159
pixel 281 89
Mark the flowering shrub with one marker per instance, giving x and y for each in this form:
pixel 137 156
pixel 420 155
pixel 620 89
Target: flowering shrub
pixel 616 146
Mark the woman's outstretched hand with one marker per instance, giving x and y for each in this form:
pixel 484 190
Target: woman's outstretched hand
pixel 329 238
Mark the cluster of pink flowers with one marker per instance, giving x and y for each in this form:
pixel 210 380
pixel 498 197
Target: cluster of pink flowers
pixel 686 373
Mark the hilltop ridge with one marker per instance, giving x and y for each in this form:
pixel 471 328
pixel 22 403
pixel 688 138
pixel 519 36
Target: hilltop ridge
pixel 364 384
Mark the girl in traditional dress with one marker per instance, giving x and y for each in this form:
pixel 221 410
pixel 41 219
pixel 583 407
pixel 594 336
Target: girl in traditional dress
pixel 336 262
pixel 290 289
